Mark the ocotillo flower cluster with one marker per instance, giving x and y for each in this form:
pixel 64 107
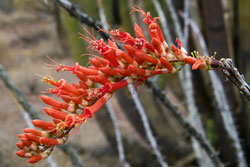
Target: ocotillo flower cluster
pixel 113 69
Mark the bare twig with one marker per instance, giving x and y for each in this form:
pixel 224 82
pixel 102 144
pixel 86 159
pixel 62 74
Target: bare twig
pixel 33 114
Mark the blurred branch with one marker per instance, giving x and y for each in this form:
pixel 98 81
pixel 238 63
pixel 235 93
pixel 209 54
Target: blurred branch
pixel 33 114
pixel 82 17
pixel 186 22
pixel 115 12
pixel 192 131
pixel 146 126
pixel 17 94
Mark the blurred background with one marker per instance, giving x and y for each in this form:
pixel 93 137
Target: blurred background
pixel 31 30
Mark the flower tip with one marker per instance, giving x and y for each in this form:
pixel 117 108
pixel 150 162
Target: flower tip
pixel 21 153
pixel 20 145
pixel 35 159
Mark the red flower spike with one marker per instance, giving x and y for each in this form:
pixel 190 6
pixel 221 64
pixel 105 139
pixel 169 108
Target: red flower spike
pixel 33 131
pixel 114 70
pixel 35 159
pixel 43 124
pixel 54 103
pixel 138 31
pixel 55 113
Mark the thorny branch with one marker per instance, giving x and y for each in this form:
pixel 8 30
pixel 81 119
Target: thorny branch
pixel 34 115
pixel 233 74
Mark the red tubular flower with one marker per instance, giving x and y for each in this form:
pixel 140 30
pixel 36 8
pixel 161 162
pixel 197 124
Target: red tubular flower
pixel 114 70
pixel 55 113
pixel 138 31
pixel 54 103
pixel 35 159
pixel 43 124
